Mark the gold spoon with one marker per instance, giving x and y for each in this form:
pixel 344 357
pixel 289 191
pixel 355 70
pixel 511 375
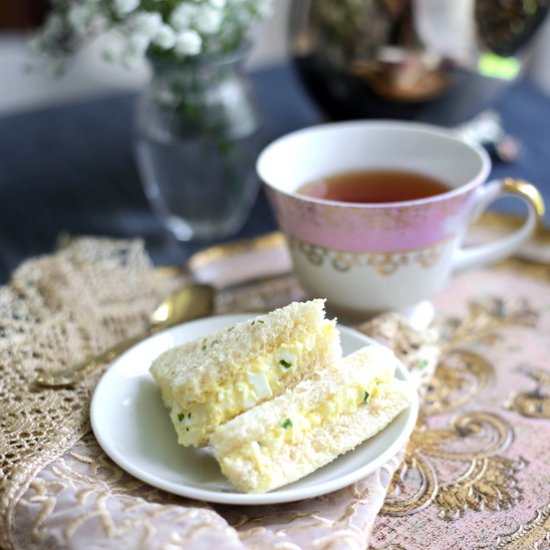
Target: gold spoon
pixel 188 303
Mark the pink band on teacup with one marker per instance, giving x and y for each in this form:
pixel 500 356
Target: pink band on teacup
pixel 372 228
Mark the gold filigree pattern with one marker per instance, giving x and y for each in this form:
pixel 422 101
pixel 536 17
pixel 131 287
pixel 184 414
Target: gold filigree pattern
pixel 533 403
pixel 482 477
pixel 459 377
pixel 534 535
pixel 383 263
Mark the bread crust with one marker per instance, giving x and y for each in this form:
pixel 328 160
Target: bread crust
pixel 322 444
pixel 183 372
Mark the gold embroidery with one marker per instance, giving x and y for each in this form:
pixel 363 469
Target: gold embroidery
pixel 460 376
pixel 481 478
pixel 534 403
pixel 533 535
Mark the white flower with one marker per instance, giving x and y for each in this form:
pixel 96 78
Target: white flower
pixel 113 52
pixel 188 43
pixel 135 50
pixel 209 20
pixel 183 17
pixel 36 43
pixel 138 43
pixel 147 23
pixel 54 26
pixel 165 37
pixel 80 17
pixel 124 7
pixel 191 26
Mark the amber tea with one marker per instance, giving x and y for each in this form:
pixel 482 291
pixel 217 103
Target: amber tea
pixel 374 186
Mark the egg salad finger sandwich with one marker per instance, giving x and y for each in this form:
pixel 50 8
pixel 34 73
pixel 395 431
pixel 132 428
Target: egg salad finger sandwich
pixel 311 424
pixel 210 380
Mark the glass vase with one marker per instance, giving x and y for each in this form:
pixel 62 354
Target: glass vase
pixel 198 133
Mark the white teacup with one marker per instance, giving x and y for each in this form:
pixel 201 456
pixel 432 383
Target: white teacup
pixel 366 258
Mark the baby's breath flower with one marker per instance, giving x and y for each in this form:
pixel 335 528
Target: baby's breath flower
pixel 209 20
pixel 178 27
pixel 54 26
pixel 188 43
pixel 165 37
pixel 124 7
pixel 113 52
pixel 147 23
pixel 183 16
pixel 80 17
pixel 138 43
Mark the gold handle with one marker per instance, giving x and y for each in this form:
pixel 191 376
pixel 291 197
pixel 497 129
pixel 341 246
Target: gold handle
pixel 504 246
pixel 528 191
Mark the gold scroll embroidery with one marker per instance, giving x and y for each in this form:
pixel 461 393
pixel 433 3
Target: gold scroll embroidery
pixel 480 477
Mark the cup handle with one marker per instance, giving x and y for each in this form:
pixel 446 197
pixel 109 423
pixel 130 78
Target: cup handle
pixel 505 246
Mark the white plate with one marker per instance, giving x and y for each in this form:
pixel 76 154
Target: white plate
pixel 132 426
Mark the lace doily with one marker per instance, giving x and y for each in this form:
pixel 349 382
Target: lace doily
pixel 57 311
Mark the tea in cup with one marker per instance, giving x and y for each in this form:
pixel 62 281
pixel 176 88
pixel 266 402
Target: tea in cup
pixel 375 212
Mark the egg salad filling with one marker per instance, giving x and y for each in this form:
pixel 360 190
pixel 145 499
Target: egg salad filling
pixel 294 428
pixel 261 380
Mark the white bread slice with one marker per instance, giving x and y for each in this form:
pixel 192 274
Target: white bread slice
pixel 258 453
pixel 208 377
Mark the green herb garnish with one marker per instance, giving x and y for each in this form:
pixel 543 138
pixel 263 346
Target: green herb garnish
pixel 203 344
pixel 181 416
pixel 286 423
pixel 366 397
pixel 285 364
pixel 214 342
pixel 189 415
pixel 421 364
pixel 260 321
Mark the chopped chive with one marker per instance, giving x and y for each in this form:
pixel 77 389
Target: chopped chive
pixel 189 415
pixel 286 423
pixel 366 397
pixel 230 328
pixel 260 321
pixel 285 364
pixel 215 342
pixel 253 323
pixel 421 363
pixel 181 416
pixel 203 344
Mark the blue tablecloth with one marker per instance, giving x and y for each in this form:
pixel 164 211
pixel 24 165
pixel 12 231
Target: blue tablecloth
pixel 71 168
